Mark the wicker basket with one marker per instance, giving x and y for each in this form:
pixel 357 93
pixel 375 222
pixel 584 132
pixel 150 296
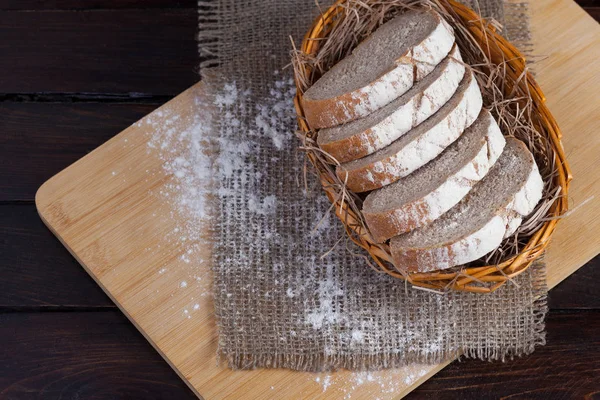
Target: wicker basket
pixel 482 279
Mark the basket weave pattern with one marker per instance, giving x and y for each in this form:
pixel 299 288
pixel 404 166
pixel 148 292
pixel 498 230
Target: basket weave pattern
pixel 482 279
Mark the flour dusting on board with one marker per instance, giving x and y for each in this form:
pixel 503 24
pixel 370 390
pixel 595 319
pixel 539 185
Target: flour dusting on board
pixel 378 384
pixel 184 145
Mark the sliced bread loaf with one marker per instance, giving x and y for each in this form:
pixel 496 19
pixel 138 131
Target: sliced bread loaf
pixel 477 224
pixel 364 136
pixel 418 146
pixel 381 68
pixel 433 189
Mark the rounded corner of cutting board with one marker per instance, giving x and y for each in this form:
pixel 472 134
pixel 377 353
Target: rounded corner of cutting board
pixel 43 199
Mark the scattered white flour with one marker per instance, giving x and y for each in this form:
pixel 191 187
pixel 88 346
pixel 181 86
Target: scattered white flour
pixel 183 144
pixel 272 116
pixel 326 313
pixel 357 336
pixel 380 384
pixel 262 207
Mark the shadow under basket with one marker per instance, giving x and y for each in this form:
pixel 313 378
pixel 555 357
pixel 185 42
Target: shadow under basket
pixel 487 51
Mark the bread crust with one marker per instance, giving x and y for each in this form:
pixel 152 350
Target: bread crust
pixel 411 67
pixel 479 242
pixel 406 116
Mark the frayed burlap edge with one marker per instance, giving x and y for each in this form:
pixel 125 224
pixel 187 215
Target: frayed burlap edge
pixel 323 362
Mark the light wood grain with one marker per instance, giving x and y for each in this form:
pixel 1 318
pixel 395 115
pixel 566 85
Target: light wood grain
pixel 569 73
pixel 107 210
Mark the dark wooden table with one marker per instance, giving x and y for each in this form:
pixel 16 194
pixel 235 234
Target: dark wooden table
pixel 73 73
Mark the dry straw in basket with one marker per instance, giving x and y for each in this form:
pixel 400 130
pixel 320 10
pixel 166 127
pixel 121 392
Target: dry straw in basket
pixel 509 91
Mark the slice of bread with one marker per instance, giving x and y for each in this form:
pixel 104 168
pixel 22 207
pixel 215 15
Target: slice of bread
pixel 433 189
pixel 364 136
pixel 477 224
pixel 418 146
pixel 381 68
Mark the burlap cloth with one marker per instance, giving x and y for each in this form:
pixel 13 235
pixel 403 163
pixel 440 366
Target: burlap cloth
pixel 289 293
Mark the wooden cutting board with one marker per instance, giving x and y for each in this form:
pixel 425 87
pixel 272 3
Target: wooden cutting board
pixel 105 210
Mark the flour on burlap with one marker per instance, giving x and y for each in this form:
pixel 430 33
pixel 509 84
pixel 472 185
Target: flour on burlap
pixel 269 133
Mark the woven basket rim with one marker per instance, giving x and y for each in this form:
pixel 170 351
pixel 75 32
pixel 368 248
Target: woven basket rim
pixel 484 279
